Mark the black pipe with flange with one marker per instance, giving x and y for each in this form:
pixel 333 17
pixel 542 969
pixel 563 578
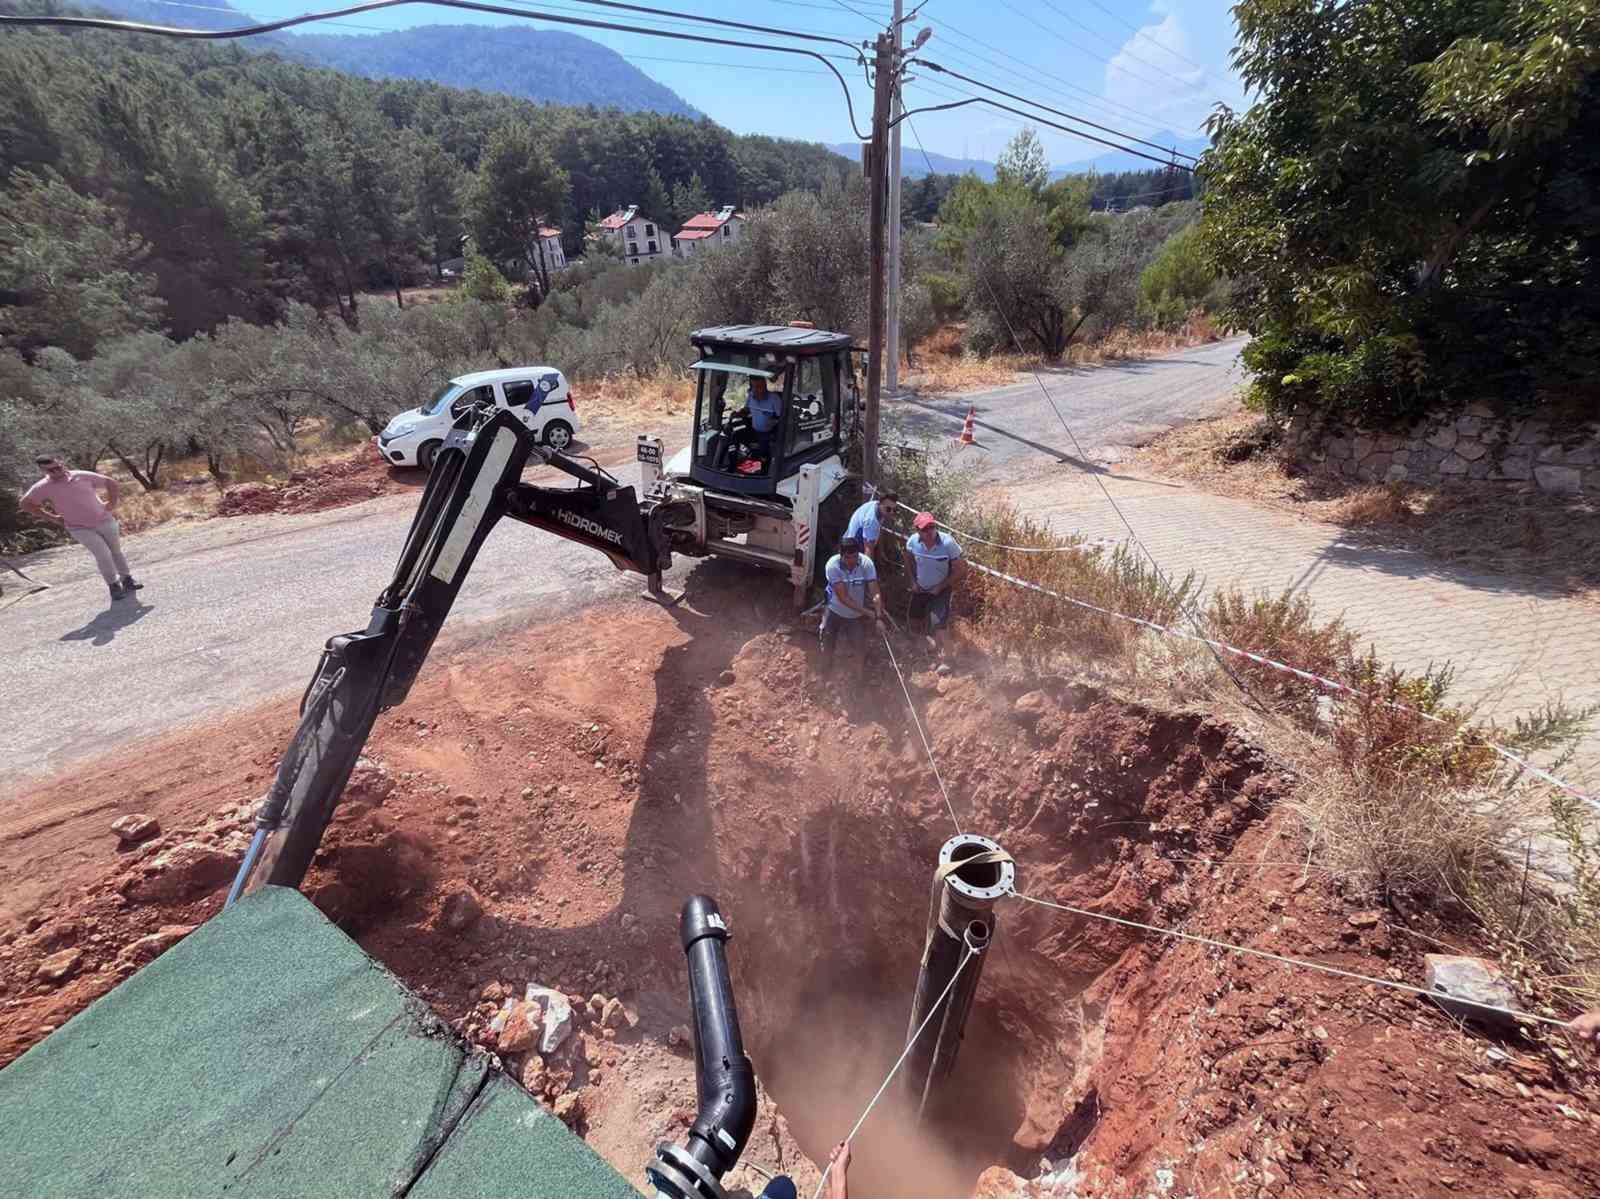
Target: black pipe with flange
pixel 724 1078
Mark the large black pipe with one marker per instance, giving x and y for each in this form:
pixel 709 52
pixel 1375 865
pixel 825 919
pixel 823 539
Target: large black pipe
pixel 973 872
pixel 724 1078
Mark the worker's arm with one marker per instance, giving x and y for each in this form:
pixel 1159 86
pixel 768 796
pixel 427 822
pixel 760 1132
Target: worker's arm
pixel 911 569
pixel 840 587
pixel 875 597
pixel 1587 1028
pixel 112 490
pixel 36 508
pixel 958 571
pixel 839 1171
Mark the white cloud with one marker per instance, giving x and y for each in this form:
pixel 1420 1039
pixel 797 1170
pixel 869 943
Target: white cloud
pixel 1176 68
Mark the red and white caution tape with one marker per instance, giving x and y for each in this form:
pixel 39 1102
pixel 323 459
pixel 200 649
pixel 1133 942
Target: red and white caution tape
pixel 1076 547
pixel 1327 683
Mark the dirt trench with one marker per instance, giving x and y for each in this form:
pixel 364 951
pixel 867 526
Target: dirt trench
pixel 577 783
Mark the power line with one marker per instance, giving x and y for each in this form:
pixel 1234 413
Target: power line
pixel 1035 119
pixel 1141 33
pixel 1121 48
pixel 1050 79
pixel 933 66
pixel 467 5
pixel 1060 37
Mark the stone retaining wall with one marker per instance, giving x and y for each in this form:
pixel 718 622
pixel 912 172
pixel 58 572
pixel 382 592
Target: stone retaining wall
pixel 1476 447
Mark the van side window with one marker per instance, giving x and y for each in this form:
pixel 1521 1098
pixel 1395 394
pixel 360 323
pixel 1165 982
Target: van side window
pixel 519 393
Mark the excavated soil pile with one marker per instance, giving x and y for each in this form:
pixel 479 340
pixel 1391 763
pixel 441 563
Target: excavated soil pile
pixel 537 813
pixel 360 476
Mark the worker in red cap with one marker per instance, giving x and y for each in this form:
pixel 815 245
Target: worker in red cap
pixel 934 565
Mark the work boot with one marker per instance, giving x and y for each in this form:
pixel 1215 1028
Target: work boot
pixel 131 584
pixel 118 591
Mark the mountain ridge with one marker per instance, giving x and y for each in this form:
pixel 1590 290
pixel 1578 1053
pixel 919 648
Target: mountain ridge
pixel 914 164
pixel 573 71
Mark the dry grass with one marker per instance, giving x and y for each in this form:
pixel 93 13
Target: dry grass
pixel 623 403
pixel 1396 792
pixel 1517 531
pixel 943 365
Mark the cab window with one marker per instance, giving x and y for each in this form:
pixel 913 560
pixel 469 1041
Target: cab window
pixel 814 410
pixel 519 393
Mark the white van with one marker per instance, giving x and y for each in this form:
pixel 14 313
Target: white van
pixel 539 395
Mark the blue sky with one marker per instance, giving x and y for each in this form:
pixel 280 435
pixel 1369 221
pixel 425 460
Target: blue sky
pixel 1140 67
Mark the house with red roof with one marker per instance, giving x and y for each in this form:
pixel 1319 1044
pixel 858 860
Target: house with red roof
pixel 707 229
pixel 638 236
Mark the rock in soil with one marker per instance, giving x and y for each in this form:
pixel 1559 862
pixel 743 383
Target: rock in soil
pixel 522 1029
pixel 187 869
pixel 1476 980
pixel 461 910
pixel 148 948
pixel 59 967
pixel 135 827
pixel 557 1023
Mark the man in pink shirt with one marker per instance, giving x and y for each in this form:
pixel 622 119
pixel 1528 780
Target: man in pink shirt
pixel 74 500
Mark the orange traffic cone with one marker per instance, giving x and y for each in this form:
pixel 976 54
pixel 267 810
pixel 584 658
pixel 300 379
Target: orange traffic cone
pixel 966 429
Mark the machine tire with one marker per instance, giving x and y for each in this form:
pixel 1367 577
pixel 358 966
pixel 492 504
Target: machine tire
pixel 426 453
pixel 557 435
pixel 832 517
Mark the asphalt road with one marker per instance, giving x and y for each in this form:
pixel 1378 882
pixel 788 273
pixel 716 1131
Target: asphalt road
pixel 235 611
pixel 1109 409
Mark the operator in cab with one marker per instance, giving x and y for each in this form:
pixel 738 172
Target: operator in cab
pixel 766 411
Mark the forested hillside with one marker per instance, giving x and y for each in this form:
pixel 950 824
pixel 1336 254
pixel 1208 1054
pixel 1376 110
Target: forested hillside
pixel 547 66
pixel 544 65
pixel 239 181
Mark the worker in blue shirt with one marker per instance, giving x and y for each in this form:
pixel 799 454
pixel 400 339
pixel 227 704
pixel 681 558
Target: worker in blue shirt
pixel 854 604
pixel 766 411
pixel 866 522
pixel 934 565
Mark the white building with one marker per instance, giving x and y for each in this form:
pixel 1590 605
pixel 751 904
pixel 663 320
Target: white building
pixel 708 229
pixel 638 236
pixel 555 258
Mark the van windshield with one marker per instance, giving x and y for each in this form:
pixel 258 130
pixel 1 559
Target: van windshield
pixel 441 399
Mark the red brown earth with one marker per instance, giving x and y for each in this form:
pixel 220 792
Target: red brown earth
pixel 332 484
pixel 580 780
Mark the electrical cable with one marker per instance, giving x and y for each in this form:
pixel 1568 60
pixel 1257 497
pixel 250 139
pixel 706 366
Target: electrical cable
pixel 909 113
pixel 1092 56
pixel 1051 82
pixel 900 1061
pixel 1141 33
pixel 1303 963
pixel 1015 549
pixel 933 66
pixel 1104 490
pixel 1121 48
pixel 468 5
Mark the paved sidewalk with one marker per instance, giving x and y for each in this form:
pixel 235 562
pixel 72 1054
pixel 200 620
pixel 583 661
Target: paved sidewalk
pixel 1515 643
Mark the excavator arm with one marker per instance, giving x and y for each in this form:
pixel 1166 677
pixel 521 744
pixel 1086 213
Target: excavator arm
pixel 476 480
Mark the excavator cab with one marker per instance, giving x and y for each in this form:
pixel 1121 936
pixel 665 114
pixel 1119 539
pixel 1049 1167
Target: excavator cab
pixel 768 400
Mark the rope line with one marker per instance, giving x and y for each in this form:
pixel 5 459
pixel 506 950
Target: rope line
pixel 1303 963
pixel 1016 549
pixel 917 720
pixel 900 1061
pixel 1331 684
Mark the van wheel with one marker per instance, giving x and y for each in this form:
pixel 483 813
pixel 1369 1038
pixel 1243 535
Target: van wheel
pixel 558 435
pixel 426 453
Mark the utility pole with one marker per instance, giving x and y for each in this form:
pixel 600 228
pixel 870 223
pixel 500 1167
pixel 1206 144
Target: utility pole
pixel 883 88
pixel 892 334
